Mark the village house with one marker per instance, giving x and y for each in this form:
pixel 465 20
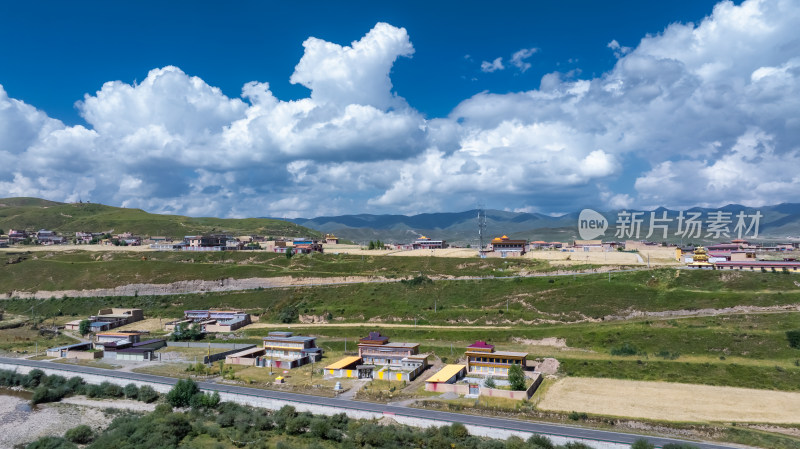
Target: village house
pixel 212 320
pixel 17 235
pixel 378 358
pixel 107 319
pixel 45 237
pixel 484 360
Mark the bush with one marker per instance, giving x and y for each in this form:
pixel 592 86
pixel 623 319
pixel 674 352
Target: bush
pixel 679 446
pixel 794 338
pixel 288 314
pixel 625 350
pixel 642 444
pixel 80 435
pixel 204 400
pixel 110 390
pixel 181 394
pixel 51 443
pixel 147 394
pixel 576 416
pixel 131 391
pixel 489 383
pixel 540 442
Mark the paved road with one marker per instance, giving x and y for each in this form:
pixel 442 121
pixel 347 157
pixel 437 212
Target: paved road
pixel 509 424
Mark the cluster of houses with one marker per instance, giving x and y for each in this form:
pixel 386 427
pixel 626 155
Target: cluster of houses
pixel 47 237
pixel 738 255
pixel 107 319
pixel 118 345
pixel 379 358
pixel 212 320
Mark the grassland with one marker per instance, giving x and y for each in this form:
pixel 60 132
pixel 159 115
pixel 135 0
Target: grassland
pixel 33 213
pixel 79 270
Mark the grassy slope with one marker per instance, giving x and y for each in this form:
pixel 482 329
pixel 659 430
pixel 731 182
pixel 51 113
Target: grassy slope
pixel 34 214
pixel 87 270
pixel 738 350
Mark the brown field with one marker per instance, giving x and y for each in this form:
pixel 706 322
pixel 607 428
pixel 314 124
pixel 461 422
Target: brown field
pixel 592 257
pixel 153 325
pixel 671 401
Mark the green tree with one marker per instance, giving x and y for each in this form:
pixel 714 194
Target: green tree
pixel 289 253
pixel 84 327
pixel 489 383
pixel 371 245
pixel 181 394
pixel 516 378
pixel 80 435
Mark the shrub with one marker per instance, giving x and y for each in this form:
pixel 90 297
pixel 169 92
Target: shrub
pixel 576 416
pixel 540 442
pixel 51 443
pixel 131 391
pixel 80 435
pixel 147 394
pixel 110 390
pixel 489 383
pixel 181 394
pixel 626 349
pixel 642 444
pixel 794 338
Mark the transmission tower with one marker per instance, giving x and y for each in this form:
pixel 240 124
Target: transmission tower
pixel 481 226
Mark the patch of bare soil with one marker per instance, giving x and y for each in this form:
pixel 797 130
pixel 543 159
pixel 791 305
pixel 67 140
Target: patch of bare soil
pixel 548 341
pixel 548 365
pixel 791 431
pixel 634 314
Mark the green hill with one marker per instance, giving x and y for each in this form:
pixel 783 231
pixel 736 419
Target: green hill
pixel 34 214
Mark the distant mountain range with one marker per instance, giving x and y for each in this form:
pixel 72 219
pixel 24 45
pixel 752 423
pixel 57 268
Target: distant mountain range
pixel 777 222
pixel 35 214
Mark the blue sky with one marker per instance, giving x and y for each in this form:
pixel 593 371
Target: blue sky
pixel 363 108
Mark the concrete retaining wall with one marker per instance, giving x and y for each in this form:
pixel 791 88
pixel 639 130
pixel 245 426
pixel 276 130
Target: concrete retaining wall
pixel 198 344
pixel 221 355
pixel 275 404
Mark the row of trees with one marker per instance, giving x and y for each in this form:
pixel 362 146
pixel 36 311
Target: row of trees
pixel 52 388
pixel 376 245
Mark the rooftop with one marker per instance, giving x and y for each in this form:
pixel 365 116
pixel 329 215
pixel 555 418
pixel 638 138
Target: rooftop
pixel 343 363
pixel 446 373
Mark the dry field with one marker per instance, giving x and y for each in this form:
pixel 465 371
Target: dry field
pixel 153 325
pixel 356 250
pixel 671 401
pixel 593 257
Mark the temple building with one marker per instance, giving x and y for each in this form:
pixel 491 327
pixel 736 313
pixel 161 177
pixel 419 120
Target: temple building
pixel 508 247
